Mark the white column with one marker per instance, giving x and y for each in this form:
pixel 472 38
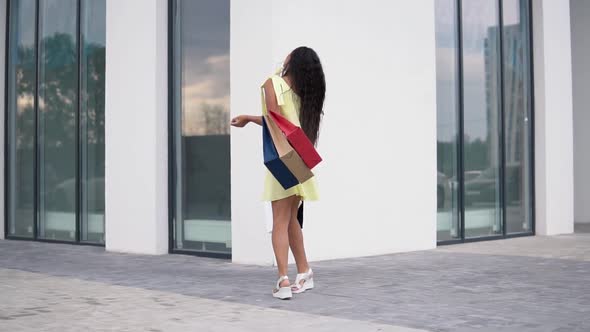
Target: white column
pixel 136 126
pixel 3 18
pixel 378 179
pixel 580 12
pixel 554 178
pixel 251 60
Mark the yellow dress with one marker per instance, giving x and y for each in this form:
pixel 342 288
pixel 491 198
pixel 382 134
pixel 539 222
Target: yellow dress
pixel 289 106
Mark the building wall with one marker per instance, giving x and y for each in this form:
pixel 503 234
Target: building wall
pixel 378 138
pixel 580 12
pixel 136 175
pixel 250 61
pixel 554 178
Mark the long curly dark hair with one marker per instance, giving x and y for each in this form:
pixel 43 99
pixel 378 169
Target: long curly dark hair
pixel 305 71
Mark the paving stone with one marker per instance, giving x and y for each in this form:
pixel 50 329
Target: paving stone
pixel 525 284
pixel 93 306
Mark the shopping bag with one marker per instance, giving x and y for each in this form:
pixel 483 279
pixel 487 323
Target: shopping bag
pixel 287 154
pixel 298 140
pixel 273 162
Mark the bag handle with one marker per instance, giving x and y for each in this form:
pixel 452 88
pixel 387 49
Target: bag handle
pixel 279 140
pixel 285 125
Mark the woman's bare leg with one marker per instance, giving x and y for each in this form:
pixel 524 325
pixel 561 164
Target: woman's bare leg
pixel 281 213
pixel 296 239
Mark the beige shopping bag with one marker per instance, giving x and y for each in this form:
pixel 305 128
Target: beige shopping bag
pixel 287 154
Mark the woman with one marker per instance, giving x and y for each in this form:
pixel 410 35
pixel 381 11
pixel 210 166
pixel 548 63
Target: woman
pixel 297 93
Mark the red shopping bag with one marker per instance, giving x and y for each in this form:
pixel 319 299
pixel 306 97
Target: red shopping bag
pixel 298 139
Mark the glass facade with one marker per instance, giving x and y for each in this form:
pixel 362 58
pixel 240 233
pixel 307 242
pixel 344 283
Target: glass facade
pixel 200 133
pixel 484 110
pixel 56 119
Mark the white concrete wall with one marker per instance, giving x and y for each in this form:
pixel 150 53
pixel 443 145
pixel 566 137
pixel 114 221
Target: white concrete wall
pixel 2 111
pixel 136 190
pixel 251 60
pixel 580 14
pixel 379 60
pixel 553 117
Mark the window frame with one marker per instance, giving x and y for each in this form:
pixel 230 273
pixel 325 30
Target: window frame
pixel 461 129
pixel 172 165
pixel 8 140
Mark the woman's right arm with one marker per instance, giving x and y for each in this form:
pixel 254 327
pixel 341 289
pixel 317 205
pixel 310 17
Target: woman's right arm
pixel 242 120
pixel 257 119
pixel 270 99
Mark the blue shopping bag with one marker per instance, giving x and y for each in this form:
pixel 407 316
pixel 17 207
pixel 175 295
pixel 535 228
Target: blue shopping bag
pixel 273 162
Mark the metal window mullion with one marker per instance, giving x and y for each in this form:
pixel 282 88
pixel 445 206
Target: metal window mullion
pixel 6 122
pixel 461 120
pixel 78 195
pixel 502 141
pixel 180 161
pixel 531 96
pixel 175 127
pixel 37 145
pixel 171 152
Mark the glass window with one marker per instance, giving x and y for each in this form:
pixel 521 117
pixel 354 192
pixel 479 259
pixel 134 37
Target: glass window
pixel 447 101
pixel 494 109
pixel 21 121
pixel 58 103
pixel 92 103
pixel 517 114
pixel 481 102
pixel 55 119
pixel 201 126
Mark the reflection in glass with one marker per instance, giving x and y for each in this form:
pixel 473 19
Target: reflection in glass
pixel 517 108
pixel 58 81
pixel 481 63
pixel 447 85
pixel 92 103
pixel 201 134
pixel 21 118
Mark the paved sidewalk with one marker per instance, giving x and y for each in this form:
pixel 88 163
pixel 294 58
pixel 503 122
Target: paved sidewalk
pixel 524 284
pixel 76 305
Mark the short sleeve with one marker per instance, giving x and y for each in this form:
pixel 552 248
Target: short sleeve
pixel 279 88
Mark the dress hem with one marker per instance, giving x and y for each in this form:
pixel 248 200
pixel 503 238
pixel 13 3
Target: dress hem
pixel 303 198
